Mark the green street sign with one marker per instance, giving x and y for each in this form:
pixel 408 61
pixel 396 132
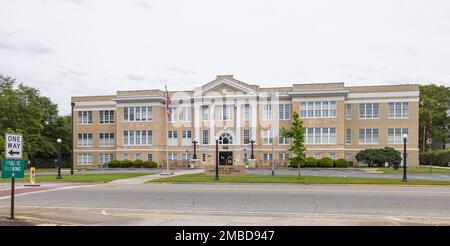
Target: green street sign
pixel 13 169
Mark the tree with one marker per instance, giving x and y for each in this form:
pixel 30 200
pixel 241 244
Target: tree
pixel 433 116
pixel 377 157
pixel 297 135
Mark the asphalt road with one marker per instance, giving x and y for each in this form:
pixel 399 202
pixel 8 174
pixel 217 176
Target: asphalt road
pixel 240 204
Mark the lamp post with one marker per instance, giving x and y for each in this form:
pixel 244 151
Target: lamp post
pixel 58 148
pixel 405 137
pixel 217 159
pixel 195 152
pixel 252 156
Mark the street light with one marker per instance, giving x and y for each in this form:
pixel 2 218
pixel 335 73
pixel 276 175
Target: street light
pixel 58 148
pixel 251 155
pixel 195 152
pixel 217 159
pixel 405 137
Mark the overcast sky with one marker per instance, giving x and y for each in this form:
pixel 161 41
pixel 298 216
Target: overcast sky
pixel 90 47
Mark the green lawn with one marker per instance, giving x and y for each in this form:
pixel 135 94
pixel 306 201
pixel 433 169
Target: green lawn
pixel 291 179
pixel 103 178
pixel 414 170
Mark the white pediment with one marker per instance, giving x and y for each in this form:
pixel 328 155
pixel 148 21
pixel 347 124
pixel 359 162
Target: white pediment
pixel 224 85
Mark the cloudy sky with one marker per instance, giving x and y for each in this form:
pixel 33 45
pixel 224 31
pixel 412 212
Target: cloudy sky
pixel 89 47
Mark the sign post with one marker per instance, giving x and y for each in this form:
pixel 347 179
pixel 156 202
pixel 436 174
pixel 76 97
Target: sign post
pixel 12 166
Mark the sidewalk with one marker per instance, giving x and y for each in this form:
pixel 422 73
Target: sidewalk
pixel 143 179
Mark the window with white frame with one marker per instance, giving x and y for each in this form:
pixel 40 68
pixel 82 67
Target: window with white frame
pixel 348 111
pixel 247 112
pixel 203 157
pixel 205 137
pixel 205 112
pixel 106 116
pixel 348 136
pixel 246 134
pixel 125 156
pixel 138 156
pixel 172 156
pixel 368 136
pixel 368 110
pixel 283 156
pixel 84 159
pixel 106 158
pixel 84 117
pixel 333 156
pixel 85 140
pixel 267 156
pixel 138 113
pixel 106 140
pixel 172 138
pixel 395 135
pixel 186 156
pixel 282 140
pixel 267 135
pixel 173 117
pixel 150 157
pixel 285 111
pixel 348 156
pixel 398 110
pixel 318 109
pixel 320 135
pixel 186 137
pixel 225 113
pixel 186 114
pixel 137 138
pixel 267 112
pixel 317 155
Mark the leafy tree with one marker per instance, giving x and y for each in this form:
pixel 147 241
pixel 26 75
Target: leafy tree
pixel 377 157
pixel 433 116
pixel 297 134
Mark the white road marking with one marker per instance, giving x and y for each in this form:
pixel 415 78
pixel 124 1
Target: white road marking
pixel 104 212
pixel 43 191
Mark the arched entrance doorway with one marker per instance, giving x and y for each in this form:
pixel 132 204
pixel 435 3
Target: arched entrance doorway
pixel 225 157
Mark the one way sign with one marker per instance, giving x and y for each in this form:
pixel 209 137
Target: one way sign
pixel 13 146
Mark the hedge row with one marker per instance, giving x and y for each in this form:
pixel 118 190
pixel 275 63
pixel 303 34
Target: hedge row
pixel 132 164
pixel 436 158
pixel 312 162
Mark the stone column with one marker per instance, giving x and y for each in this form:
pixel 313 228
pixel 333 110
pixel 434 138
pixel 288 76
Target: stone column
pixel 238 124
pixel 254 122
pixel 197 122
pixel 212 125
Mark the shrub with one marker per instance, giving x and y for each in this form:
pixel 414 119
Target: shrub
pixel 149 164
pixel 326 162
pixel 377 157
pixel 126 164
pixel 341 163
pixel 137 164
pixel 311 162
pixel 114 164
pixel 436 158
pixel 294 163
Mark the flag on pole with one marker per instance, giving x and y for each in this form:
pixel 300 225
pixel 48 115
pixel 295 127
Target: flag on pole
pixel 167 103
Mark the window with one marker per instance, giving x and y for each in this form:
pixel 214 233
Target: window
pixel 267 112
pixel 172 138
pixel 172 114
pixel 106 140
pixel 186 156
pixel 186 114
pixel 205 137
pixel 348 111
pixel 398 110
pixel 320 135
pixel 138 156
pixel 85 140
pixel 395 135
pixel 282 140
pixel 225 138
pixel 348 156
pixel 267 135
pixel 247 112
pixel 348 136
pixel 203 157
pixel 186 137
pixel 317 155
pixel 283 156
pixel 106 116
pixel 84 159
pixel 125 156
pixel 84 117
pixel 205 112
pixel 285 111
pixel 267 156
pixel 105 158
pixel 333 156
pixel 226 112
pixel 368 110
pixel 246 136
pixel 150 157
pixel 318 109
pixel 140 113
pixel 172 156
pixel 368 136
pixel 137 138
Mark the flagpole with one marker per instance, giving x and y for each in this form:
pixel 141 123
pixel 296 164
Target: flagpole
pixel 167 132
